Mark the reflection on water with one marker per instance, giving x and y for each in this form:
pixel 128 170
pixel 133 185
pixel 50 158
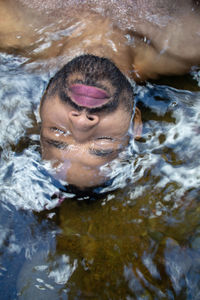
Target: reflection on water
pixel 139 240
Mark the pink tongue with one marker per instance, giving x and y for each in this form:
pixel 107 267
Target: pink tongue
pixel 88 96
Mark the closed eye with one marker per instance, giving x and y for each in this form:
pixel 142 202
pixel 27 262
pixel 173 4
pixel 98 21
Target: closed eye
pixel 55 129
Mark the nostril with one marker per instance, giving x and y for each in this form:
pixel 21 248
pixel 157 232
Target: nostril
pixel 83 118
pixel 90 118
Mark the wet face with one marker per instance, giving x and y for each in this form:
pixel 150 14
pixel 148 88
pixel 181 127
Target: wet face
pixel 79 142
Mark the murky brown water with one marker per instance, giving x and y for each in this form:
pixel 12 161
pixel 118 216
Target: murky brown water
pixel 136 239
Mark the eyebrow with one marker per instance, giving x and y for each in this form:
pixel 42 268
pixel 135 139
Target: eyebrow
pixel 55 143
pixel 103 152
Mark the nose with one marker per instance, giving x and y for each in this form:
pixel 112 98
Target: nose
pixel 83 121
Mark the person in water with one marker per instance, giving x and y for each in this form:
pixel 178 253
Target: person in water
pixel 88 115
pixel 88 112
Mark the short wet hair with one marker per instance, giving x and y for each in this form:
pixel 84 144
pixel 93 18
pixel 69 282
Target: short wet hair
pixel 93 69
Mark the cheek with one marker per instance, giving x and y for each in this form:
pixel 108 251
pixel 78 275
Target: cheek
pixel 54 154
pixel 49 153
pixel 115 126
pixel 61 170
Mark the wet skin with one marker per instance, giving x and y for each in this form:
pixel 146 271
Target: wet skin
pixel 140 45
pixel 78 143
pixel 145 39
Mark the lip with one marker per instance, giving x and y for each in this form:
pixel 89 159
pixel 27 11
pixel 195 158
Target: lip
pixel 88 96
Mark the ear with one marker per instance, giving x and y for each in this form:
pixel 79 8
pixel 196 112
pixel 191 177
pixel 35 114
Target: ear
pixel 137 124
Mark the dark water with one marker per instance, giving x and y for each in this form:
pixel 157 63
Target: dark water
pixel 139 241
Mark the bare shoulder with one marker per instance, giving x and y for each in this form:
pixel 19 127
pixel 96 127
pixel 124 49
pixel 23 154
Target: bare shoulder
pixel 17 25
pixel 133 33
